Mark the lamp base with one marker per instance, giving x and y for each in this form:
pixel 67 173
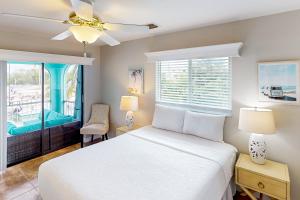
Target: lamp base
pixel 129 119
pixel 257 148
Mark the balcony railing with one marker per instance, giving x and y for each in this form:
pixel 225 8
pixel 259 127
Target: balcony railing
pixel 69 107
pixel 20 111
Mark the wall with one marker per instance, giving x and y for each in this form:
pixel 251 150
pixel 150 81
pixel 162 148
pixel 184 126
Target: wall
pixel 23 42
pixel 268 38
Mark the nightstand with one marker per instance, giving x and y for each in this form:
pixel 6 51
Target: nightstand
pixel 123 129
pixel 271 179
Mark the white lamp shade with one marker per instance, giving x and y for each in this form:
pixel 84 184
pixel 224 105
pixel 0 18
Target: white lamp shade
pixel 129 103
pixel 85 33
pixel 256 120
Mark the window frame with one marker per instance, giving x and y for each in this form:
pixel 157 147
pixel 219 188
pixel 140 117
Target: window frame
pixel 39 67
pixel 190 106
pixel 65 88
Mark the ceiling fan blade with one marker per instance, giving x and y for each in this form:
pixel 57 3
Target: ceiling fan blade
pixel 62 36
pixel 31 17
pixel 83 8
pixel 123 27
pixel 108 39
pixel 138 27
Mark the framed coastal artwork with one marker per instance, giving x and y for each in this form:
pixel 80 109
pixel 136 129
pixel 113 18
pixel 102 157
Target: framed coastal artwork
pixel 279 82
pixel 136 81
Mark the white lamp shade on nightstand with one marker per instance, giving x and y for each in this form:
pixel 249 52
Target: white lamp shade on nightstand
pixel 258 122
pixel 129 103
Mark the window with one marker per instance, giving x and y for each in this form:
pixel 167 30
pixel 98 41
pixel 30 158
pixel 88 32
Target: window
pixel 201 83
pixel 24 92
pixel 70 82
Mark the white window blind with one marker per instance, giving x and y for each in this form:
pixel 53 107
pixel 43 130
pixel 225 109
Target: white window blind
pixel 195 82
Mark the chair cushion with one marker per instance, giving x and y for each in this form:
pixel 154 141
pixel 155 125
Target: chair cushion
pixel 55 119
pixel 99 114
pixel 95 129
pixel 10 126
pixel 59 121
pixel 54 116
pixel 25 129
pixel 168 118
pixel 46 114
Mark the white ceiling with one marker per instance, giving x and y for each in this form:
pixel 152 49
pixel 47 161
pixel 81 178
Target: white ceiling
pixel 169 15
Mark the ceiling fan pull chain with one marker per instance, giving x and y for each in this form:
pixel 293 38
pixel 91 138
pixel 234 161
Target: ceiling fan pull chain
pixel 84 49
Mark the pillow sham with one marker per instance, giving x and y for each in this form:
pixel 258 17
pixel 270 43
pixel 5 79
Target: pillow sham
pixel 204 125
pixel 168 118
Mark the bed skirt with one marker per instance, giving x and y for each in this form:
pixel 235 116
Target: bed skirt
pixel 230 191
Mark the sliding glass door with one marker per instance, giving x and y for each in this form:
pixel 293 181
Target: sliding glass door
pixel 44 108
pixel 63 119
pixel 24 110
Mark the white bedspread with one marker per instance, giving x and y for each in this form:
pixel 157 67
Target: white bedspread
pixel 145 164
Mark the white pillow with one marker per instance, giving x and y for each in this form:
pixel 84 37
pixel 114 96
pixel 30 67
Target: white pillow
pixel 168 118
pixel 204 125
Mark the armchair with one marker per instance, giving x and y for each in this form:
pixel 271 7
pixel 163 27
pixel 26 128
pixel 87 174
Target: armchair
pixel 98 123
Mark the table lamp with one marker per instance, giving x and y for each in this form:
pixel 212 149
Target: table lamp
pixel 258 122
pixel 129 104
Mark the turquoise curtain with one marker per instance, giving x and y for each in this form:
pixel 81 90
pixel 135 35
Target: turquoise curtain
pixel 78 98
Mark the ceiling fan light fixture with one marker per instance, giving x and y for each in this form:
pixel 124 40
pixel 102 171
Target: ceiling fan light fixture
pixel 85 33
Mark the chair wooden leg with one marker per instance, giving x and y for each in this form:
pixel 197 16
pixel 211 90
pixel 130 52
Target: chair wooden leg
pixel 106 136
pixel 81 140
pixel 92 138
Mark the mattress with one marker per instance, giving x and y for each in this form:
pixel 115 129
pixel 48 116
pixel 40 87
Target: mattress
pixel 144 164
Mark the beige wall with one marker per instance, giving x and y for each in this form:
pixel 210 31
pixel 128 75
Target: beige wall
pixel 15 41
pixel 265 39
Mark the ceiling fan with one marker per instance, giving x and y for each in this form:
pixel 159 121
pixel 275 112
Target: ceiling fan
pixel 85 26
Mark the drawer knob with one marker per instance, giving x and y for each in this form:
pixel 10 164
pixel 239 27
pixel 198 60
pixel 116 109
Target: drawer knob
pixel 260 185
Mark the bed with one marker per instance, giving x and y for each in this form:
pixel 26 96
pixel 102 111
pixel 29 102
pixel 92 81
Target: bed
pixel 147 163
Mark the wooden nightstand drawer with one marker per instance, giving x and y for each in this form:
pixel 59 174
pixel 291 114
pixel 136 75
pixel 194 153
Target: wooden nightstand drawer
pixel 262 184
pixel 271 179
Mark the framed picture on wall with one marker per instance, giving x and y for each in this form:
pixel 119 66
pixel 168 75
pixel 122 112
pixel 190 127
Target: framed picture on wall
pixel 278 82
pixel 136 81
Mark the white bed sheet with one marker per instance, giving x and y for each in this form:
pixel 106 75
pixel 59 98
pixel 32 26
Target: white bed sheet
pixel 145 164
